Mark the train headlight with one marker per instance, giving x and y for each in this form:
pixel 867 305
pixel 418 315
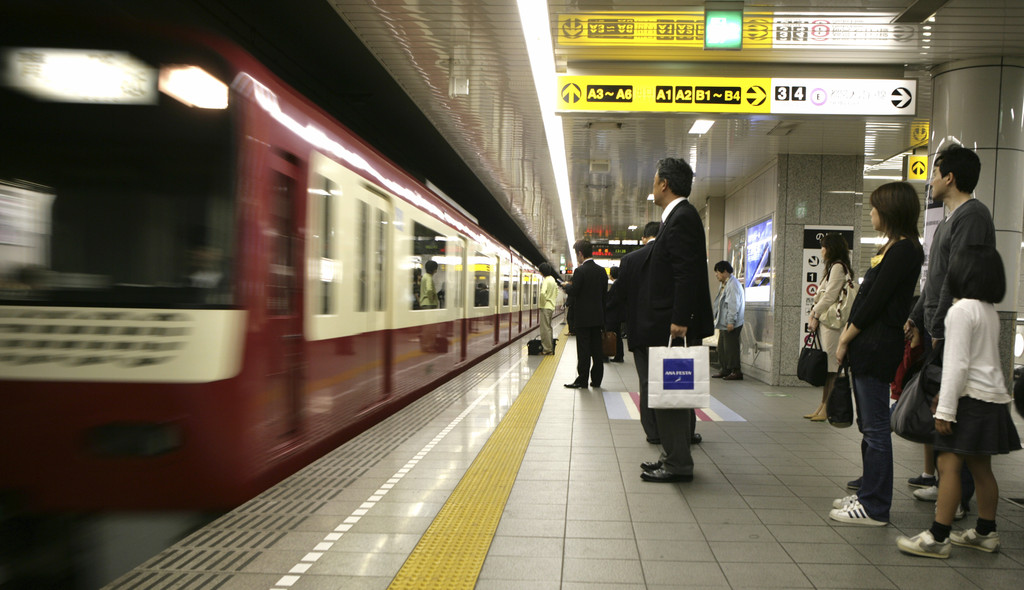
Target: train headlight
pixel 193 86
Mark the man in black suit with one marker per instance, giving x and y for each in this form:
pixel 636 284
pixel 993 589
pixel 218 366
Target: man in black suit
pixel 679 305
pixel 588 287
pixel 627 298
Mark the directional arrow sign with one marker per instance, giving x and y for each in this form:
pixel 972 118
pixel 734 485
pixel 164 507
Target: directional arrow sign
pixel 755 96
pixel 917 167
pixel 571 93
pixel 901 98
pixel 572 28
pixel 842 96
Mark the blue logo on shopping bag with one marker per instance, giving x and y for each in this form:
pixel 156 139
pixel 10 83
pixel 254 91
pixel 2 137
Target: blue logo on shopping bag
pixel 677 374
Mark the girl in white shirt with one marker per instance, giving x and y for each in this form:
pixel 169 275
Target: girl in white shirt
pixel 972 415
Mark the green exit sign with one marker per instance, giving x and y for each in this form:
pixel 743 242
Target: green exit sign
pixel 723 29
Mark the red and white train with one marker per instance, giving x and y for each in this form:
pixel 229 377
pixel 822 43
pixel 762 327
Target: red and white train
pixel 205 281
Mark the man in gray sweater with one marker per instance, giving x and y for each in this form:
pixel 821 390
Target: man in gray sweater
pixel 967 223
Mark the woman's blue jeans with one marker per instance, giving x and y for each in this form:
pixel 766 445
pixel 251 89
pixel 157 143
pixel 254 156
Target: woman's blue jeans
pixel 875 493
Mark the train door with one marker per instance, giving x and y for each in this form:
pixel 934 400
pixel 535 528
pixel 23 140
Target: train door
pixel 284 344
pixel 375 215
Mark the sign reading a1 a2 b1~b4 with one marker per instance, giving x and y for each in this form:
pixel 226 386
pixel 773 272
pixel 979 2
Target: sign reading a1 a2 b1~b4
pixel 679 94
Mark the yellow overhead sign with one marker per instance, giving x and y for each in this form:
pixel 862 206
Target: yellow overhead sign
pixel 917 167
pixel 919 133
pixel 667 94
pixel 652 29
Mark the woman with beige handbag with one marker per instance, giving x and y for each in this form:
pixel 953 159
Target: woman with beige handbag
pixel 835 293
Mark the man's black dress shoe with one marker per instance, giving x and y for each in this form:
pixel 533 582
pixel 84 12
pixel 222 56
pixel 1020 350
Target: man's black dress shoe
pixel 650 466
pixel 696 438
pixel 654 441
pixel 575 385
pixel 662 476
pixel 618 360
pixel 592 384
pixel 719 375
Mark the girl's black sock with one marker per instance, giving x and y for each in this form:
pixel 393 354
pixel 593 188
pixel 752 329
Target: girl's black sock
pixel 985 527
pixel 940 531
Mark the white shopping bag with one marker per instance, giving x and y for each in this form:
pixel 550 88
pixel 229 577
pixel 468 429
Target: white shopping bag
pixel 678 377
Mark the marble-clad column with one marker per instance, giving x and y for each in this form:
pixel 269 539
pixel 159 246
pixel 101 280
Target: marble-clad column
pixel 978 103
pixel 813 189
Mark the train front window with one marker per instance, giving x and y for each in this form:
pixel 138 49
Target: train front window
pixel 116 194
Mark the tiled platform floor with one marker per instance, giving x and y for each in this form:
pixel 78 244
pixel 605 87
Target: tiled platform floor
pixel 579 516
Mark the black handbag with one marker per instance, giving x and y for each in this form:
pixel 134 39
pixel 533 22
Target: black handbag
pixel 839 407
pixel 912 417
pixel 813 364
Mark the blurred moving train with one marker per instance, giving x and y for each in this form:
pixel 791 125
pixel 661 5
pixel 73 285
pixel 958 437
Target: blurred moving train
pixel 205 281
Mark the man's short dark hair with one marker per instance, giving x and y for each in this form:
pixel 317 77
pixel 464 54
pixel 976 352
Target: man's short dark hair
pixel 678 174
pixel 963 163
pixel 430 267
pixel 584 247
pixel 723 266
pixel 651 229
pixel 976 272
pixel 546 269
pixel 614 272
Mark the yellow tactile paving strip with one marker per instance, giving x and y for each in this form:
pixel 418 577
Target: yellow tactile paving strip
pixel 452 551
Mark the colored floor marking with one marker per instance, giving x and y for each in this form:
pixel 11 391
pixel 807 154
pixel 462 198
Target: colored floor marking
pixel 626 406
pixel 620 405
pixel 452 551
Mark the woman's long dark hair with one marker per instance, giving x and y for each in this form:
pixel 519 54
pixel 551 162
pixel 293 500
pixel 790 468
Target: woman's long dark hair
pixel 898 209
pixel 836 250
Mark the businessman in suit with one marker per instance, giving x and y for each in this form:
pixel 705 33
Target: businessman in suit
pixel 679 305
pixel 588 286
pixel 627 298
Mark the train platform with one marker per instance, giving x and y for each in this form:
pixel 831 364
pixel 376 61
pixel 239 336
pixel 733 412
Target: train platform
pixel 503 478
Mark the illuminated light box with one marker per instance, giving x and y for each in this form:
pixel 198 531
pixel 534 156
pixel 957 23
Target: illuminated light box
pixel 723 29
pixel 80 75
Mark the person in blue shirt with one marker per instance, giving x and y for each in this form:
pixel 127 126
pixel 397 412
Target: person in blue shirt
pixel 728 321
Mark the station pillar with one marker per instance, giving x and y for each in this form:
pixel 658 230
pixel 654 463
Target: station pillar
pixel 978 104
pixel 813 190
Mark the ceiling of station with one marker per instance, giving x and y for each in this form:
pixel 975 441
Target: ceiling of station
pixel 430 48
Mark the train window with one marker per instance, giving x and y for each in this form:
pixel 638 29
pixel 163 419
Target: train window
pixel 328 264
pixel 456 282
pixel 504 285
pixel 381 254
pixel 429 268
pixel 515 288
pixel 362 241
pixel 482 280
pixel 280 286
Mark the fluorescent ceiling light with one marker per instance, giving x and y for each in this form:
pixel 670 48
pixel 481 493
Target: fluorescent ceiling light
pixel 701 126
pixel 533 14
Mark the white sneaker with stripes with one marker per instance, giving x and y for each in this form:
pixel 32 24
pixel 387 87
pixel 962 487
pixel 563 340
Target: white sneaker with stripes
pixel 845 501
pixel 970 538
pixel 854 513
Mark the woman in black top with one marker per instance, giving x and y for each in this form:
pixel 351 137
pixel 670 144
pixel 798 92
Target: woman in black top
pixel 872 343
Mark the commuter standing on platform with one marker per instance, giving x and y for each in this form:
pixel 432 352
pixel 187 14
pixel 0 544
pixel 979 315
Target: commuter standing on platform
pixel 678 305
pixel 967 223
pixel 836 254
pixel 588 288
pixel 548 293
pixel 628 297
pixel 728 321
pixel 972 415
pixel 613 314
pixel 874 339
